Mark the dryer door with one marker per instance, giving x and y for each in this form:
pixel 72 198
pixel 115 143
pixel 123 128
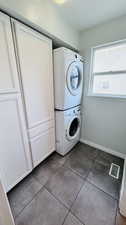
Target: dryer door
pixel 74 78
pixel 73 128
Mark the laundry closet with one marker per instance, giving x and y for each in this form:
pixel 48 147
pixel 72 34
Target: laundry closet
pixel 27 127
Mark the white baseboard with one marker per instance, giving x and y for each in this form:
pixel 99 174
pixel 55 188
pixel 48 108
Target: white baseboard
pixel 104 149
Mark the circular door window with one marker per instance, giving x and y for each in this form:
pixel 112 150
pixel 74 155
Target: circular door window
pixel 73 128
pixel 73 78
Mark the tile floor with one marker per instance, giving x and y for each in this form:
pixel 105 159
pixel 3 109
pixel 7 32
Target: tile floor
pixel 71 190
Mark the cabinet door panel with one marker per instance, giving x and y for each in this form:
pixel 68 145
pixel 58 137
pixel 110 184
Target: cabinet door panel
pixel 15 162
pixel 42 146
pixel 8 70
pixel 35 56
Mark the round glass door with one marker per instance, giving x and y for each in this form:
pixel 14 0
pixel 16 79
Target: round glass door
pixel 73 78
pixel 73 128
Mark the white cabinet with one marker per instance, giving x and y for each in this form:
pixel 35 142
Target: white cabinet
pixel 15 162
pixel 26 101
pixel 35 56
pixel 15 159
pixel 35 62
pixel 8 71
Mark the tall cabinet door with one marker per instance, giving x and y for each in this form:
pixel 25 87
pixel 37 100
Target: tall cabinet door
pixel 15 159
pixel 8 71
pixel 35 59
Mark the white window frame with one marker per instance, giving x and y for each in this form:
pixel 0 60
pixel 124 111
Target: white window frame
pixel 91 78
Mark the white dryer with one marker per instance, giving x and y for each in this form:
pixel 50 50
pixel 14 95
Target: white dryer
pixel 68 124
pixel 68 78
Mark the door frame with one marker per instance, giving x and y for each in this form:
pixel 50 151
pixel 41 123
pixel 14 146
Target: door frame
pixel 5 211
pixel 122 201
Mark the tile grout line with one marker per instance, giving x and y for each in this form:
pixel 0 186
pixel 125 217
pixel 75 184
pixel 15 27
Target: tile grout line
pixel 65 217
pixel 52 175
pixel 84 180
pixel 77 218
pixel 102 190
pixel 50 192
pixel 74 171
pixel 72 206
pixel 83 222
pixel 38 180
pixel 69 209
pixel 43 186
pixel 117 209
pixel 74 202
pixel 95 161
pixel 29 202
pixel 116 214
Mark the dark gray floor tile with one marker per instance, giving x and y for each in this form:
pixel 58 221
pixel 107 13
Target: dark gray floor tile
pixel 48 168
pixel 62 176
pixel 99 176
pixel 79 165
pixel 94 207
pixel 43 210
pixel 81 151
pixel 106 158
pixel 65 185
pixel 120 220
pixel 81 159
pixel 23 193
pixel 72 220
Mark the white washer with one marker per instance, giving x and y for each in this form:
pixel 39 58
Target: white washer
pixel 68 125
pixel 68 78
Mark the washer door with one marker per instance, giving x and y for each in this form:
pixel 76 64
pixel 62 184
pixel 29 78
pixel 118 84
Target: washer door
pixel 74 78
pixel 73 128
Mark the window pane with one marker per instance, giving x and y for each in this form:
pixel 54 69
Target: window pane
pixel 110 84
pixel 110 58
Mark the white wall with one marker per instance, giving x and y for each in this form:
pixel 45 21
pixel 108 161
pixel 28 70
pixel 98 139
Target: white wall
pixel 104 119
pixel 122 202
pixel 43 15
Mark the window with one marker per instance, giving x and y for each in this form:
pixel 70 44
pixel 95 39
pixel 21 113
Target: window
pixel 109 70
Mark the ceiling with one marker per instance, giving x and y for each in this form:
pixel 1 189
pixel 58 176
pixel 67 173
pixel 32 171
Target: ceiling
pixel 83 14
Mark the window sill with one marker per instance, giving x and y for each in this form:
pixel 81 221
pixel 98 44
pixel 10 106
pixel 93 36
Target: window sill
pixel 107 96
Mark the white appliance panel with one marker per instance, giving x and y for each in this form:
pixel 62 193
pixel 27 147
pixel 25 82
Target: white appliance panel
pixel 68 78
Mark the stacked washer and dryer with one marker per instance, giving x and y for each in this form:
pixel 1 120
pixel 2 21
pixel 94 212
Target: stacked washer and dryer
pixel 68 80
